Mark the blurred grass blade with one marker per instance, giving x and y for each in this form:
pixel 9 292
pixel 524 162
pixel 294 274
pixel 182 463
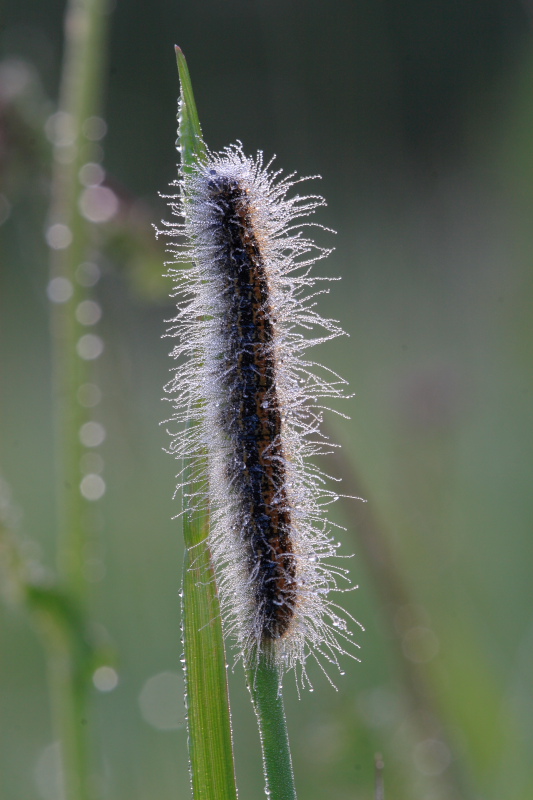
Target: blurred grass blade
pixel 63 613
pixel 208 716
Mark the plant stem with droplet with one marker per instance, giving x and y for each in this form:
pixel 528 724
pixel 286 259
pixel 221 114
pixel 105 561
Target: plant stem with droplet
pixel 69 670
pixel 265 688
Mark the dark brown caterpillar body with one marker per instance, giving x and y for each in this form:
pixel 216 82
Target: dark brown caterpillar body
pixel 249 411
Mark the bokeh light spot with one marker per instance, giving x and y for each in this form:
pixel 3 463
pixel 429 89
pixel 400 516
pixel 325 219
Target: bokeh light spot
pixel 90 347
pixel 92 434
pixel 94 128
pixel 161 701
pixel 88 274
pixel 89 395
pixel 98 204
pixel 60 129
pixel 105 679
pixel 91 174
pixel 92 487
pixel 431 757
pixel 59 290
pixel 58 236
pixel 88 312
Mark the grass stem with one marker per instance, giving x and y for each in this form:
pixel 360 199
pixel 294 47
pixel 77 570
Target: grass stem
pixel 80 96
pixel 265 689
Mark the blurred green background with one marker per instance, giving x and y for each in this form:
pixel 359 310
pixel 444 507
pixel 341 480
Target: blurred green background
pixel 419 117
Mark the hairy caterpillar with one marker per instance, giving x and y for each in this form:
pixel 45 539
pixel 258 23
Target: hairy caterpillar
pixel 245 300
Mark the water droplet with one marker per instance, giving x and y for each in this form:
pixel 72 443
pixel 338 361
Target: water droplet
pixel 91 174
pixel 94 128
pixel 105 679
pixel 60 129
pixel 88 274
pixel 92 487
pixel 88 312
pixel 89 347
pixel 59 290
pixel 58 236
pixel 89 395
pixel 98 204
pixel 92 434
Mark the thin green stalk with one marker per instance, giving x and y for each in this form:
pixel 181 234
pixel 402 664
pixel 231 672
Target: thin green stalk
pixel 265 688
pixel 208 715
pixel 80 98
pixel 68 675
pixel 69 670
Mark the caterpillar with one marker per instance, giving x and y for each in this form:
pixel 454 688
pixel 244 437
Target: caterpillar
pixel 245 319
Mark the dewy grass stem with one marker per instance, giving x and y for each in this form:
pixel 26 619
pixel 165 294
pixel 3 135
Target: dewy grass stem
pixel 265 689
pixel 80 94
pixel 80 97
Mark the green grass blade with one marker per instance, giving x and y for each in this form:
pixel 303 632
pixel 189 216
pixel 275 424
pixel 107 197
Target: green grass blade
pixel 265 689
pixel 191 143
pixel 208 716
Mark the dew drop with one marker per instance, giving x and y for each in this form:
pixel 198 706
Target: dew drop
pixel 91 174
pixel 94 128
pixel 88 312
pixel 58 236
pixel 92 434
pixel 92 487
pixel 59 290
pixel 88 274
pixel 89 395
pixel 105 679
pixel 98 204
pixel 90 347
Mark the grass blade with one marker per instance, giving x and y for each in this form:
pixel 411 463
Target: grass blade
pixel 208 716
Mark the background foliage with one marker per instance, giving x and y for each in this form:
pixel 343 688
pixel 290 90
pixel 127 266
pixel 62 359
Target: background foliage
pixel 418 116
